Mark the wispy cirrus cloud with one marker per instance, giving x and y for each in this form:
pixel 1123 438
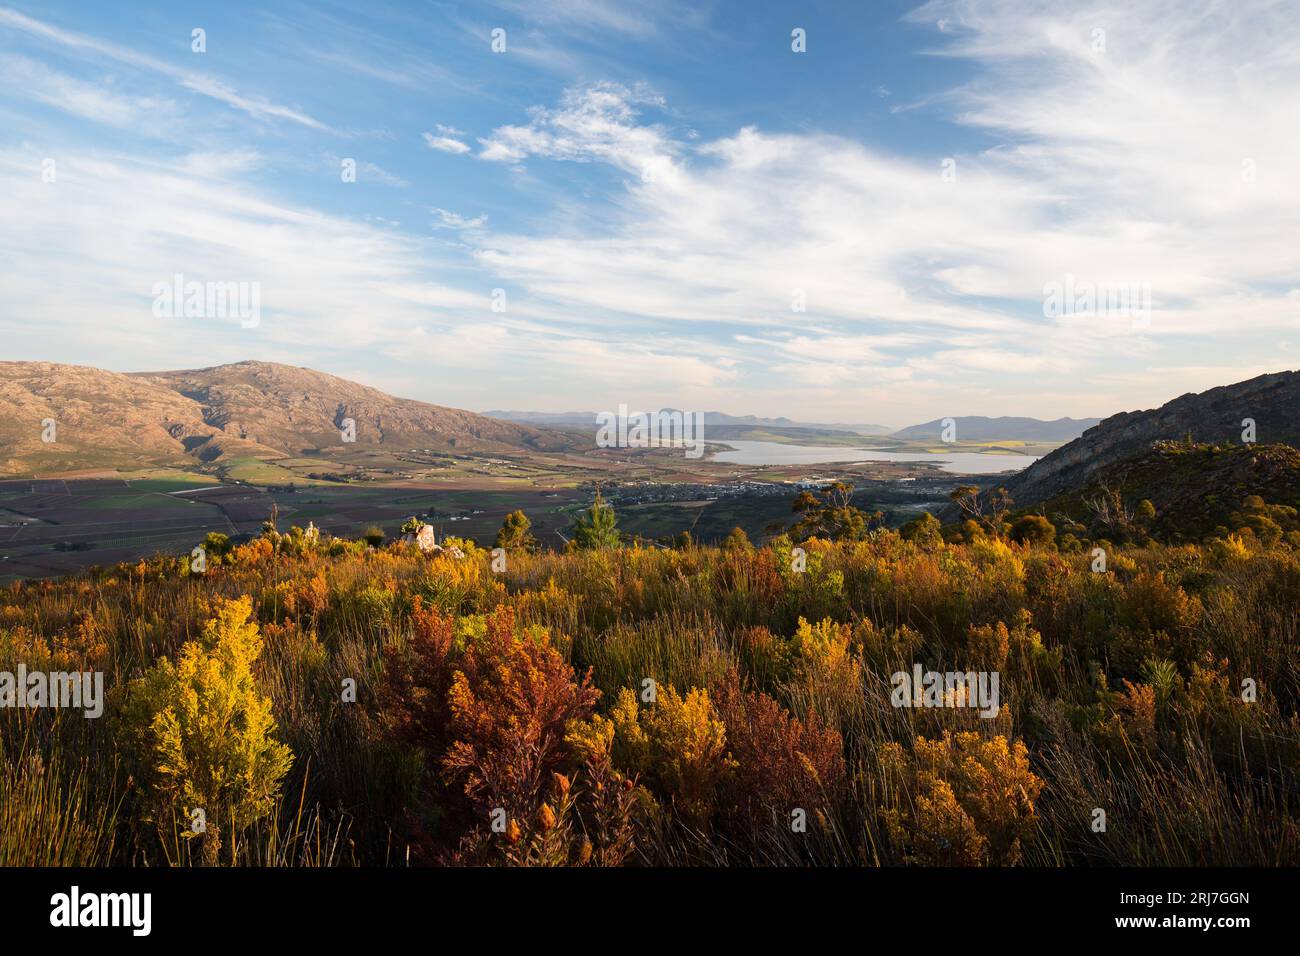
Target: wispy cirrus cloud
pixel 197 82
pixel 97 102
pixel 447 219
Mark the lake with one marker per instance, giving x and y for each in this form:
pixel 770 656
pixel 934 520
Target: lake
pixel 776 453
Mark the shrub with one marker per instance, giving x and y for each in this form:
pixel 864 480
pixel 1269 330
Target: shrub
pixel 1033 529
pixel 202 733
pixel 923 529
pixel 677 744
pixel 960 801
pixel 780 762
pixel 510 701
pixel 737 540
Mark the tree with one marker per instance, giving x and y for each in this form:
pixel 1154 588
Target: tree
pixel 923 529
pixel 597 527
pixel 967 498
pixel 515 534
pixel 1033 529
pixel 832 516
pixel 988 508
pixel 737 541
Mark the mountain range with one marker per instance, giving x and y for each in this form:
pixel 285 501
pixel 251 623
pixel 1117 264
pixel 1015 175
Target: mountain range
pixel 99 419
pixel 715 419
pixel 968 427
pixel 103 419
pixel 981 428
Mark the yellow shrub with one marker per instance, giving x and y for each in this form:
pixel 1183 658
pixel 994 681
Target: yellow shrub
pixel 824 645
pixel 960 801
pixel 678 745
pixel 826 673
pixel 203 734
pixel 989 645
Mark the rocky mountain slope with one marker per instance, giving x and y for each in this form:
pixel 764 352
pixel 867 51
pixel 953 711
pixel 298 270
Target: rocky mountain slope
pixel 1197 490
pixel 1216 416
pixel 113 420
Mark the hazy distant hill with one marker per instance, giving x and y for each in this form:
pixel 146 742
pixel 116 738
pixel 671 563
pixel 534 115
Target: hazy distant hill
pixel 1215 416
pixel 1006 428
pixel 108 419
pixel 588 419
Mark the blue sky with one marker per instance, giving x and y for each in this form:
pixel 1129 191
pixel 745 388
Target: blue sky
pixel 679 208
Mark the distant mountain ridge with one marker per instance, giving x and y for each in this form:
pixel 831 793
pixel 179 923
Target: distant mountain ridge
pixel 588 420
pixel 969 427
pixel 983 428
pixel 1216 416
pixel 105 419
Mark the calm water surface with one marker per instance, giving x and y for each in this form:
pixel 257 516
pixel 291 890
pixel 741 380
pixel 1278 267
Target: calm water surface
pixel 776 453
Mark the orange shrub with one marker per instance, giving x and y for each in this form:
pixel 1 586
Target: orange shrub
pixel 780 761
pixel 510 701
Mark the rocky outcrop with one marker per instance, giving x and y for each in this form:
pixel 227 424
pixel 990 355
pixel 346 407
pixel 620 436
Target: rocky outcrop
pixel 1216 416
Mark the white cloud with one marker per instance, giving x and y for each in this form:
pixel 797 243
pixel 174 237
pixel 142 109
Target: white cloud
pixel 445 143
pixel 592 124
pixel 678 284
pixel 335 294
pixel 453 220
pixel 93 101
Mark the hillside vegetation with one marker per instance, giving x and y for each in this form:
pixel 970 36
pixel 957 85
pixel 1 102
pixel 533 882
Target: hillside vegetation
pixel 1195 491
pixel 330 702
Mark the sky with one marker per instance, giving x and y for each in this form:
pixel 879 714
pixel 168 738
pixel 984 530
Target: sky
pixel 871 212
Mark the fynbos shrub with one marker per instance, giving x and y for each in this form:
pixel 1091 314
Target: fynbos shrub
pixel 960 800
pixel 202 734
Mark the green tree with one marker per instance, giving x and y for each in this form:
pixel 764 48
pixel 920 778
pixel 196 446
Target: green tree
pixel 832 515
pixel 923 529
pixel 515 534
pixel 1033 529
pixel 737 541
pixel 597 527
